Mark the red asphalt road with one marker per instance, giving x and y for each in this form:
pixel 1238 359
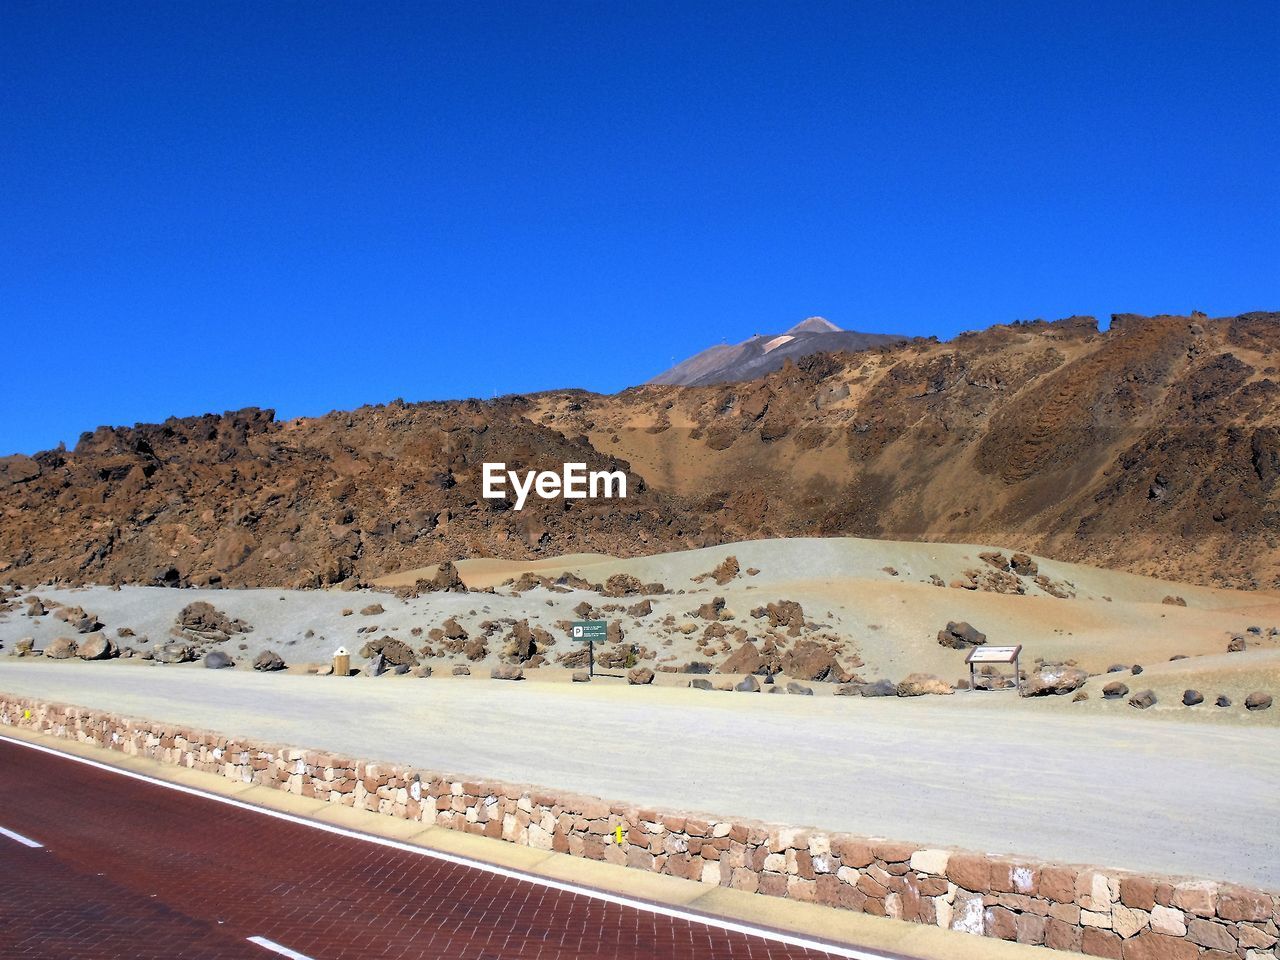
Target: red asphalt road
pixel 133 869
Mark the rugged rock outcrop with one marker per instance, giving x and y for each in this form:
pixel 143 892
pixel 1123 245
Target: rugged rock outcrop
pixel 1153 447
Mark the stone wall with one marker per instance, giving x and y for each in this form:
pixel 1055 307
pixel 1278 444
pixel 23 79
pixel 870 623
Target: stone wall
pixel 1103 913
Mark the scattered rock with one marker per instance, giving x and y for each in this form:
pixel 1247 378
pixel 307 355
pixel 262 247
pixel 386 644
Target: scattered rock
pixel 1136 669
pixel 1080 695
pixel 80 621
pixel 217 660
pixel 1143 700
pixel 878 688
pixel 711 609
pixel 1235 645
pixel 1191 698
pixel 446 580
pixel 394 652
pixel 748 684
pixel 453 630
pixel 995 558
pixel 96 646
pixel 725 571
pixel 1257 701
pixel 699 684
pixel 1054 679
pixel 63 648
pixel 799 689
pixel 748 659
pixel 422 673
pixel 203 621
pixel 1174 601
pixel 581 676
pixel 622 585
pixel 1223 701
pixel 523 642
pixel 961 634
pixel 372 610
pixel 640 675
pixel 506 671
pixel 461 670
pixel 922 684
pixel 641 609
pixel 1114 691
pixel 174 653
pixel 268 660
pixel 810 660
pixel 1023 565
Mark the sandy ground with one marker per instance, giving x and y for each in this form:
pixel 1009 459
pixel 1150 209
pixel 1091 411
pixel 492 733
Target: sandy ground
pixel 889 620
pixel 1180 798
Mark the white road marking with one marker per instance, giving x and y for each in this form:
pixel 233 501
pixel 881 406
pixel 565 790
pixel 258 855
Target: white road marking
pixel 276 948
pixel 25 841
pixel 708 920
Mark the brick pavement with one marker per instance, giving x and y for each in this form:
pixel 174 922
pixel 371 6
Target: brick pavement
pixel 136 870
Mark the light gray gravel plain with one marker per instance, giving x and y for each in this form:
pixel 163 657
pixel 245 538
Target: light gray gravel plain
pixel 1178 798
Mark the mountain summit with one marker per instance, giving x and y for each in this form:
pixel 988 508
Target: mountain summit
pixel 767 352
pixel 815 325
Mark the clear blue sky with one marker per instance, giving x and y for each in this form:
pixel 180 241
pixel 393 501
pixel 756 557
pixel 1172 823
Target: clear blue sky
pixel 314 206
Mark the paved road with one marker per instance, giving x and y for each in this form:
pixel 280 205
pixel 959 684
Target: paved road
pixel 128 869
pixel 1011 776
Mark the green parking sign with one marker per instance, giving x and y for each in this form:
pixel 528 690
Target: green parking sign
pixel 590 631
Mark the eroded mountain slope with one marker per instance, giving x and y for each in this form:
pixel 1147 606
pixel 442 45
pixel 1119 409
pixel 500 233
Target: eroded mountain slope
pixel 1153 447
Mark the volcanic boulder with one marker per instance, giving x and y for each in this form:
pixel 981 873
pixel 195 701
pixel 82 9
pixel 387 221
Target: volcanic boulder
pixel 204 621
pixel 524 642
pixel 395 652
pixel 961 634
pixel 1054 679
pixel 63 648
pixel 1114 690
pixel 1143 700
pixel 748 659
pixel 217 660
pixel 96 646
pixel 810 660
pixel 725 571
pixel 922 684
pixel 748 684
pixel 1023 565
pixel 80 621
pixel 269 661
pixel 622 585
pixel 174 653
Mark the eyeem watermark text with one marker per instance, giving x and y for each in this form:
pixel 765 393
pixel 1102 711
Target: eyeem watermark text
pixel 574 482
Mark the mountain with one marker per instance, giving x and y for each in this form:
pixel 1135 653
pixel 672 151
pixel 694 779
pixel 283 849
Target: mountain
pixel 765 353
pixel 1152 447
